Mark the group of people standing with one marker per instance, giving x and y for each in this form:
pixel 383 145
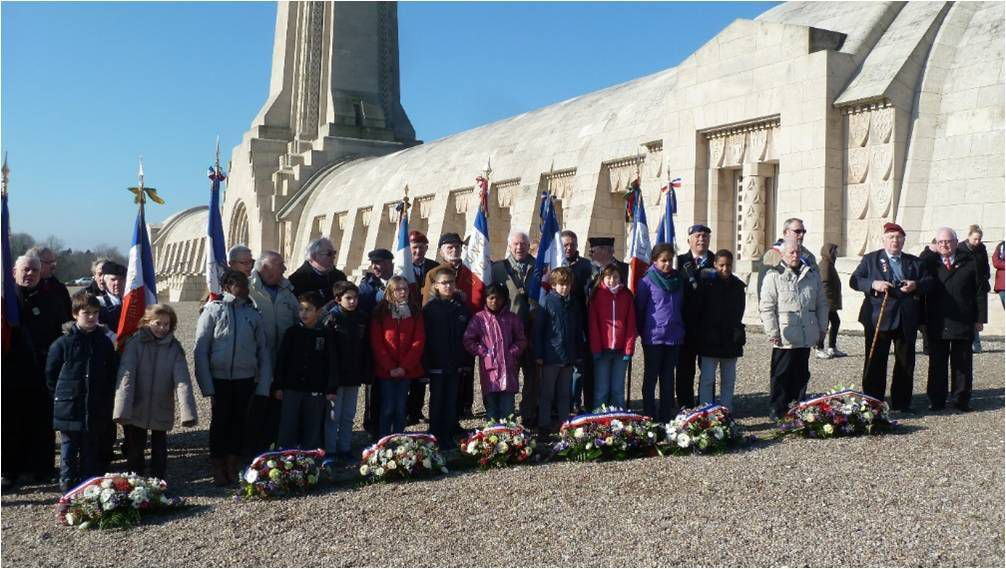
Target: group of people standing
pixel 284 359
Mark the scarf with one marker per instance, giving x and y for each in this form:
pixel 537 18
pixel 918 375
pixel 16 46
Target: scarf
pixel 613 289
pixel 666 283
pixel 400 311
pixel 520 268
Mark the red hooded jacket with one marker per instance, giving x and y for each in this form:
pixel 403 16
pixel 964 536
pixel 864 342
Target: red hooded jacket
pixel 611 321
pixel 398 343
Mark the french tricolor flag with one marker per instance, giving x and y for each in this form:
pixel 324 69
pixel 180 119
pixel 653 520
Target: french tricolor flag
pixel 476 256
pixel 638 253
pixel 141 289
pixel 402 253
pixel 216 251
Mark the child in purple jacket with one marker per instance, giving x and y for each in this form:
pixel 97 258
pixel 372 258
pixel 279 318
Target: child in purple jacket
pixel 496 336
pixel 661 329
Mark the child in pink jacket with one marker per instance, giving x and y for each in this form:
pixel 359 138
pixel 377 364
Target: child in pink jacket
pixel 496 336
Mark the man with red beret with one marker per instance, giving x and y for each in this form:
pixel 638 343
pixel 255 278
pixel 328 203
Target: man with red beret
pixel 421 266
pixel 902 279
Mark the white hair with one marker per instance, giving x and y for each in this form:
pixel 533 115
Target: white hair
pixel 788 245
pixel 237 251
pixel 948 229
pixel 316 246
pixel 518 233
pixel 28 260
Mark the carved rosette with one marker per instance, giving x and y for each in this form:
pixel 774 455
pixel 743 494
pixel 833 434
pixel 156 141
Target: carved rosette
pixel 753 219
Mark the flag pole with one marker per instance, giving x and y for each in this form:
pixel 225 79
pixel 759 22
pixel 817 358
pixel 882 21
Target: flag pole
pixel 638 196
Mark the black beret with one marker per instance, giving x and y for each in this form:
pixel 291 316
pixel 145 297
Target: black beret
pixel 380 255
pixel 449 239
pixel 601 241
pixel 113 268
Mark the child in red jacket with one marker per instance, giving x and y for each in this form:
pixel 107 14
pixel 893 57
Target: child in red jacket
pixel 397 339
pixel 611 323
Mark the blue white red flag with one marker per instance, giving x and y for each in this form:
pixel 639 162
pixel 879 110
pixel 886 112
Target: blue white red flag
pixel 402 252
pixel 11 310
pixel 216 250
pixel 665 230
pixel 141 289
pixel 549 250
pixel 637 255
pixel 476 256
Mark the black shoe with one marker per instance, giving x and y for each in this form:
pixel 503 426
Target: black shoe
pixel 936 407
pixel 962 408
pixel 906 410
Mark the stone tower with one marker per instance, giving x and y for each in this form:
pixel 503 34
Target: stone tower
pixel 334 95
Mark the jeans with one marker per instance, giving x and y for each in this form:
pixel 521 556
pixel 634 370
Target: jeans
pixel 394 394
pixel 659 363
pixel 582 386
pixel 444 395
pixel 302 415
pixel 339 420
pixel 609 379
pixel 1002 298
pixel 499 405
pixel 554 394
pixel 228 415
pixel 136 442
pixel 707 381
pixel 81 455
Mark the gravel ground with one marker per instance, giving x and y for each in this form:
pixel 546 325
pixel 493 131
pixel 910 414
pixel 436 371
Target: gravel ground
pixel 929 495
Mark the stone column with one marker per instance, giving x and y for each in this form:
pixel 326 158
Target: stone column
pixel 753 211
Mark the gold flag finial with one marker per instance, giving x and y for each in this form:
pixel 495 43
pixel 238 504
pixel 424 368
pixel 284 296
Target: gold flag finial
pixel 141 193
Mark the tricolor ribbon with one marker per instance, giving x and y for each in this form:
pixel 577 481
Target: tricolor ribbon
pixel 293 453
pixel 829 396
pixel 369 451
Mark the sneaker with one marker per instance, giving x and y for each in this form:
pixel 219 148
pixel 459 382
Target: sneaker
pixel 823 355
pixel 836 353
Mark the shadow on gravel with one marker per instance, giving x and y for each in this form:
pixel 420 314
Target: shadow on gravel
pixel 25 502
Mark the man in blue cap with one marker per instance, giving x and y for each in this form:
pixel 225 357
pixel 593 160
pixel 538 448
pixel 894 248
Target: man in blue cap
pixel 692 264
pixel 373 282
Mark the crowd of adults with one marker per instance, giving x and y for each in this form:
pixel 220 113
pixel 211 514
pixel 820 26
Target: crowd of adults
pixel 941 292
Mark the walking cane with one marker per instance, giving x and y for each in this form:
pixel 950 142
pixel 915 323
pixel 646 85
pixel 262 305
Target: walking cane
pixel 876 329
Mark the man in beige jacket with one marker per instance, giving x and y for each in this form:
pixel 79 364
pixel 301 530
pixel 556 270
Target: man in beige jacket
pixel 794 311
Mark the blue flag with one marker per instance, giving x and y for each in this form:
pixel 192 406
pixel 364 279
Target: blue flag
pixel 11 310
pixel 665 230
pixel 549 250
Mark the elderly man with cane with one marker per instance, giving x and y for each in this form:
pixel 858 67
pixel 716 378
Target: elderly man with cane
pixel 893 284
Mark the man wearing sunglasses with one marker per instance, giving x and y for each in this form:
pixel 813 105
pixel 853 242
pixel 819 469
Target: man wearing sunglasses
pixel 318 273
pixel 792 229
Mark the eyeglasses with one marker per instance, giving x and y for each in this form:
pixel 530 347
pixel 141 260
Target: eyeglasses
pixel 799 231
pixel 329 254
pixel 945 242
pixel 445 283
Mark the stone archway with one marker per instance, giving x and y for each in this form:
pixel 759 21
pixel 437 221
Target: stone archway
pixel 238 231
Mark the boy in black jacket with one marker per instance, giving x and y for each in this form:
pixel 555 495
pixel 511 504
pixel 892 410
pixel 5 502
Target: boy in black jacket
pixel 446 319
pixel 80 374
pixel 306 376
pixel 351 327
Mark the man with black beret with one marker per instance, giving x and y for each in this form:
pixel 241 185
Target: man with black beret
pixel 114 276
pixel 373 282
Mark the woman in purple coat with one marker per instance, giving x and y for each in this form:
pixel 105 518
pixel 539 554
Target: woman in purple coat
pixel 496 337
pixel 661 329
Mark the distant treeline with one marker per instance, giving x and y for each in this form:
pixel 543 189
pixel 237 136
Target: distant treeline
pixel 70 264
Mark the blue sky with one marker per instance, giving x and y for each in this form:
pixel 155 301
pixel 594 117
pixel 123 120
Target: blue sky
pixel 88 87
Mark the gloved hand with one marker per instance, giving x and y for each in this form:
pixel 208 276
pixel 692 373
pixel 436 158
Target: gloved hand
pixel 626 358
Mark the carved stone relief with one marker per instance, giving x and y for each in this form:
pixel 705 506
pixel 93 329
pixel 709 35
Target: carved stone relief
pixel 504 190
pixel 461 199
pixel 859 129
pixel 859 199
pixel 858 165
pixel 882 162
pixel 365 214
pixel 858 236
pixel 717 147
pixel 881 198
pixel 736 144
pixel 423 206
pixel 753 218
pixel 882 121
pixel 757 145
